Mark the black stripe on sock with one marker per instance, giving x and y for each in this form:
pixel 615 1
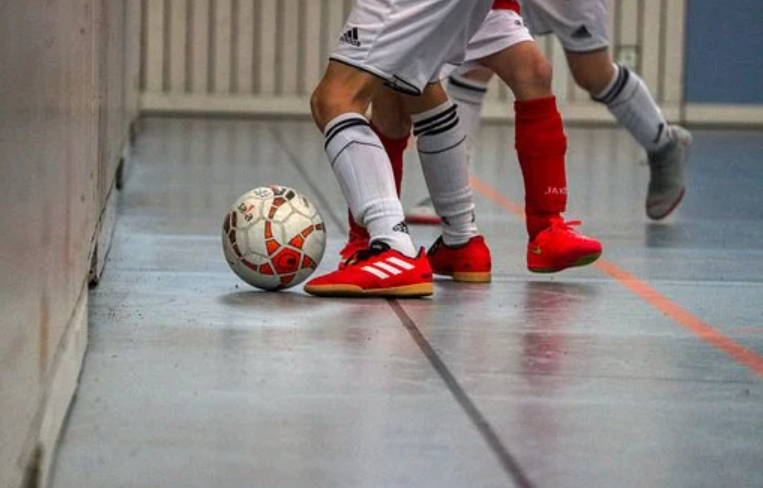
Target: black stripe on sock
pixel 345 124
pixel 435 125
pixel 460 84
pixel 340 125
pixel 622 79
pixel 440 129
pixel 435 117
pixel 659 132
pixel 463 139
pixel 603 98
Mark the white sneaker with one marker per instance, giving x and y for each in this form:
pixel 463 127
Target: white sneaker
pixel 667 182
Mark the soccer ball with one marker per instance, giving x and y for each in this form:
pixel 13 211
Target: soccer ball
pixel 273 237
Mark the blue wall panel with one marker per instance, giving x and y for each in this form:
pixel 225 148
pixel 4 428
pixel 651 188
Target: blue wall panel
pixel 724 62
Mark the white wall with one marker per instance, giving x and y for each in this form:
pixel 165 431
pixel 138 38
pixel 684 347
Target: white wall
pixel 64 116
pixel 265 56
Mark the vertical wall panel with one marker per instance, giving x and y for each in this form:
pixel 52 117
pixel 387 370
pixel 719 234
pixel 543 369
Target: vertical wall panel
pixel 268 46
pixel 289 32
pixel 178 38
pixel 333 21
pixel 311 43
pixel 673 48
pixel 154 66
pixel 651 36
pixel 268 55
pixel 222 46
pixel 200 47
pixel 245 46
pixel 562 87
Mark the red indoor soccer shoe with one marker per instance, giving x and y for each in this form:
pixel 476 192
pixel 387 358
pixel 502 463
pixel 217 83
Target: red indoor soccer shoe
pixel 353 246
pixel 560 247
pixel 466 263
pixel 375 272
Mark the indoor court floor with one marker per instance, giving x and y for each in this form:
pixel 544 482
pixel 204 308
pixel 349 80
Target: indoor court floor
pixel 644 370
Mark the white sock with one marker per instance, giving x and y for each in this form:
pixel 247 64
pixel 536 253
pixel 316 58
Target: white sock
pixel 628 99
pixel 469 95
pixel 365 175
pixel 442 150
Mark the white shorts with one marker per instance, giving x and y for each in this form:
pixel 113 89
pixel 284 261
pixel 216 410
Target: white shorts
pixel 406 42
pixel 501 29
pixel 580 25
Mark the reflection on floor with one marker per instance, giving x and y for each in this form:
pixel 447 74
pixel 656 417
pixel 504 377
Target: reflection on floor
pixel 194 380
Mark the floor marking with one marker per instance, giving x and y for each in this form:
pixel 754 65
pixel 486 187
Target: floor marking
pixel 640 288
pixel 508 463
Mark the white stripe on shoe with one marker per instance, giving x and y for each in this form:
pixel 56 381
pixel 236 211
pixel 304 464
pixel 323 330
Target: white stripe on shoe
pixel 388 268
pixel 399 262
pixel 391 267
pixel 377 272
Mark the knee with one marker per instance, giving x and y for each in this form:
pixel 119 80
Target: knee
pixel 332 98
pixel 321 105
pixel 532 77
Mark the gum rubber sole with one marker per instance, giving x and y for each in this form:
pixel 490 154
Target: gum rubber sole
pixel 469 276
pixel 418 290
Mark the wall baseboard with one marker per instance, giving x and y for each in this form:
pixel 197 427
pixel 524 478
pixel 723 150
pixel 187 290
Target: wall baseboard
pixel 104 234
pixel 153 103
pixel 724 115
pixel 59 393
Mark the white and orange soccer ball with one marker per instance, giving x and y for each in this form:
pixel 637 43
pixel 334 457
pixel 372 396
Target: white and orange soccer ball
pixel 273 237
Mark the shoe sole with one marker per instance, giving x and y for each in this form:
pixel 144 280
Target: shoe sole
pixel 469 276
pixel 670 210
pixel 408 291
pixel 583 261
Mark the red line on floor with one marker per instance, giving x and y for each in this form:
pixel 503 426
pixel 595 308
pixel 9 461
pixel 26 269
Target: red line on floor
pixel 675 312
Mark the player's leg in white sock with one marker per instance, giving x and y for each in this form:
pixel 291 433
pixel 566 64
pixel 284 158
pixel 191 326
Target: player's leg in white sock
pixel 628 99
pixel 442 151
pixel 625 95
pixel 364 173
pixel 468 94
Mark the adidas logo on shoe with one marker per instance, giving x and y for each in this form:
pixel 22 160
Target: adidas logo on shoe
pixel 351 37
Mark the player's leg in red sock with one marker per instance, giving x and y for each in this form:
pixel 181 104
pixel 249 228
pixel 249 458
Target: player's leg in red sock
pixel 541 149
pixel 540 140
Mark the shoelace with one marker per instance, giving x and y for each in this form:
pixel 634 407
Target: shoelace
pixel 565 226
pixel 374 249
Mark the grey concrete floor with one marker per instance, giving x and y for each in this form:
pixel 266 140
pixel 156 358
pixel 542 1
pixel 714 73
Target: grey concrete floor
pixel 588 378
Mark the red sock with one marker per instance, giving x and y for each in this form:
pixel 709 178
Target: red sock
pixel 395 149
pixel 541 147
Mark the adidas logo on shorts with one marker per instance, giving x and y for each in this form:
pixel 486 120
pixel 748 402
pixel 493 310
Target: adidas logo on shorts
pixel 582 32
pixel 351 37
